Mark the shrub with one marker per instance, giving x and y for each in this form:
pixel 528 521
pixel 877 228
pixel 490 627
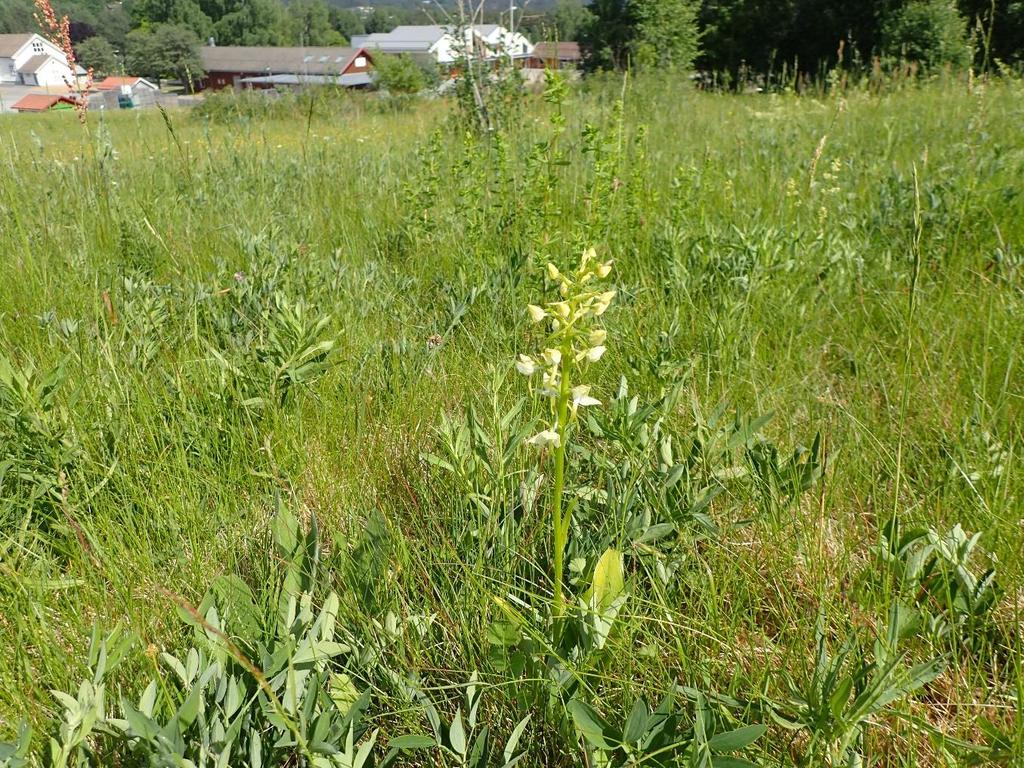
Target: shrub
pixel 400 75
pixel 930 33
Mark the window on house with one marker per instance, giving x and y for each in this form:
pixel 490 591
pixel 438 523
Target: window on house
pixel 360 61
pixel 37 47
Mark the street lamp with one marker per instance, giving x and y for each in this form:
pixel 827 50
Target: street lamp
pixel 509 41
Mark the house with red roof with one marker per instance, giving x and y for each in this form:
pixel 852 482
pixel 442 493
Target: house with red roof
pixel 44 102
pixel 126 85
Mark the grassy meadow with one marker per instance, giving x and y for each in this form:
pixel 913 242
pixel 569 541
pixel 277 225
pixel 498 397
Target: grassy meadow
pixel 218 333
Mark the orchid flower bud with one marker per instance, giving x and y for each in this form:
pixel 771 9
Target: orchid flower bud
pixel 526 365
pixel 581 396
pixel 601 303
pixel 545 438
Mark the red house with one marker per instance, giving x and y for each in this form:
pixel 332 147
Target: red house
pixel 267 67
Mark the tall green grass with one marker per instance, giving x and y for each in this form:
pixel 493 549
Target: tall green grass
pixel 210 312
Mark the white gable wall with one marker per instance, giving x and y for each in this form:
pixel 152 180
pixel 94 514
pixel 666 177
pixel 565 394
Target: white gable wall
pixel 502 42
pixel 445 50
pixel 491 41
pixel 37 45
pixel 53 72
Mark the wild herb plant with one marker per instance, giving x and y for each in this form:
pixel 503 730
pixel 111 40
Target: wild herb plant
pixel 660 738
pixel 39 449
pixel 847 690
pixel 260 686
pixel 936 572
pixel 572 342
pixel 463 740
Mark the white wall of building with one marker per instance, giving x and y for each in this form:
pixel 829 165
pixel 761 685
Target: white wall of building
pixel 502 42
pixel 8 72
pixel 54 72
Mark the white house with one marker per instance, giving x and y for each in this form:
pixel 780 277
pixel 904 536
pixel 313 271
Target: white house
pixel 443 45
pixel 30 59
pixel 504 42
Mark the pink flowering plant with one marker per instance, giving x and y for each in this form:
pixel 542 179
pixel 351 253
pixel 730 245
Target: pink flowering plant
pixel 58 31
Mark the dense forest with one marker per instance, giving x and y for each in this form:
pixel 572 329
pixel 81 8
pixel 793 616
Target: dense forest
pixel 738 37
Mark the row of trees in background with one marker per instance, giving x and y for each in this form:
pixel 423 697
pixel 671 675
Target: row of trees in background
pixel 747 38
pixel 766 37
pixel 742 38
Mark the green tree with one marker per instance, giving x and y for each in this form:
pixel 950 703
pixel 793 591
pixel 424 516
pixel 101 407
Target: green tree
pixel 647 32
pixel 253 22
pixel 114 24
pixel 150 11
pixel 16 16
pixel 609 33
pixel 346 23
pixel 165 51
pixel 187 13
pixel 931 33
pixel 666 33
pixel 570 19
pixel 399 75
pixel 770 36
pixel 311 23
pixel 1002 28
pixel 97 53
pixel 386 18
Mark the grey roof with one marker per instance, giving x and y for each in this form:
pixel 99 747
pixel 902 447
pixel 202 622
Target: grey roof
pixel 398 46
pixel 416 36
pixel 352 80
pixel 36 63
pixel 404 38
pixel 411 38
pixel 11 44
pixel 422 33
pixel 277 60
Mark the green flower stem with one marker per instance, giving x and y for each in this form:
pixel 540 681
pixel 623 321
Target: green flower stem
pixel 560 527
